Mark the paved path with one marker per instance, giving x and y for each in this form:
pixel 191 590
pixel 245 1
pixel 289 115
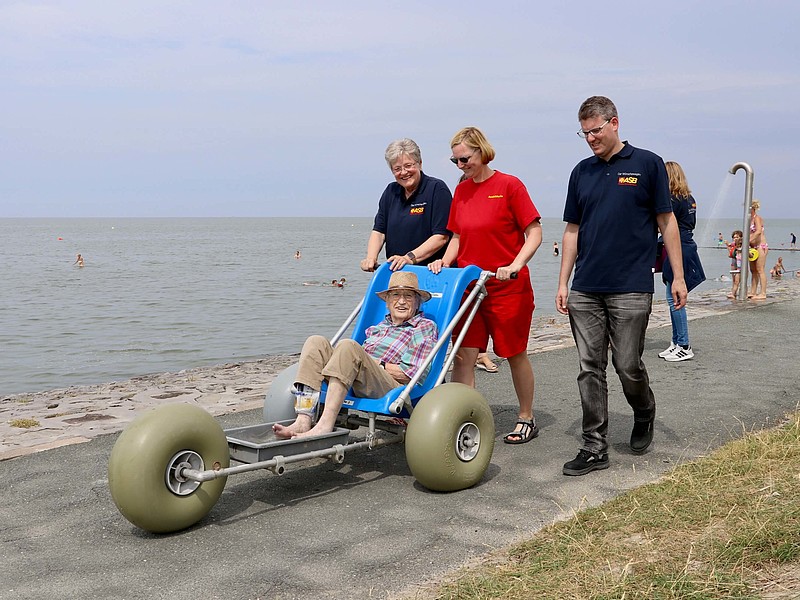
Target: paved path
pixel 365 529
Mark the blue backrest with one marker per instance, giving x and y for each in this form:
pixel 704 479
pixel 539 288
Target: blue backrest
pixel 447 289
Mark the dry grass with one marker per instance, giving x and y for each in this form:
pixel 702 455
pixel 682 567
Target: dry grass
pixel 24 423
pixel 725 526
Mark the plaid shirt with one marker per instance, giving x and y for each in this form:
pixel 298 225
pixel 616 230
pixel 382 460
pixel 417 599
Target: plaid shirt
pixel 405 345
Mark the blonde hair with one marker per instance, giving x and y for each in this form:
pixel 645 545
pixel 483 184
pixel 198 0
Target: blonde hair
pixel 678 186
pixel 755 205
pixel 472 137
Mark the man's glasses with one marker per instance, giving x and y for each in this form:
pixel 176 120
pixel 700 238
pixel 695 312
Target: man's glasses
pixel 405 167
pixel 595 132
pixel 461 159
pixel 397 296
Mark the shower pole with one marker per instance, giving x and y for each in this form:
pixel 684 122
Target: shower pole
pixel 748 200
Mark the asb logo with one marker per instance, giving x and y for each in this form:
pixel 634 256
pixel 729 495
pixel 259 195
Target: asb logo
pixel 628 180
pixel 417 210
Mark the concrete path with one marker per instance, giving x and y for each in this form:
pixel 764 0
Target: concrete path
pixel 365 529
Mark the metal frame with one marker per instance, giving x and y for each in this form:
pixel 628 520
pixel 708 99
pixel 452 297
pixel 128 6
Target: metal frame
pixel 336 453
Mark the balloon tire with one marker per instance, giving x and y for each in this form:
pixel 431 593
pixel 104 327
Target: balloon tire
pixel 137 468
pixel 279 399
pixel 432 437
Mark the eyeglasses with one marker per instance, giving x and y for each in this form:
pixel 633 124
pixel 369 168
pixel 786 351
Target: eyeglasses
pixel 595 132
pixel 461 159
pixel 406 167
pixel 397 295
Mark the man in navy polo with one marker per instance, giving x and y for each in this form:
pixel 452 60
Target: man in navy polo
pixel 617 200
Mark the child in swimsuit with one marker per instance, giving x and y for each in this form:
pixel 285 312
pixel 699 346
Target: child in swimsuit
pixel 735 254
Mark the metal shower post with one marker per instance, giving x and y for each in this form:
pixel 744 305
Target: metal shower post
pixel 748 200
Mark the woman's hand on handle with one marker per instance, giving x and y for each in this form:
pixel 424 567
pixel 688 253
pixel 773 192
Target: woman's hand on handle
pixel 436 266
pixel 398 261
pixel 369 264
pixel 506 273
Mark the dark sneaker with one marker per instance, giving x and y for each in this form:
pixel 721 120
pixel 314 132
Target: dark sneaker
pixel 642 435
pixel 586 462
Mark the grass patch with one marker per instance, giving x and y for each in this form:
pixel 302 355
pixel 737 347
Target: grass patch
pixel 24 423
pixel 724 526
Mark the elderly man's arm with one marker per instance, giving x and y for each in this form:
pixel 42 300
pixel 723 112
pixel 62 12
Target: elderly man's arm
pixel 421 346
pixel 397 373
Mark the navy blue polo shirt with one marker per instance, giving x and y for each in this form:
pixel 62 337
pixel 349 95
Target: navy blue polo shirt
pixel 407 223
pixel 685 210
pixel 615 204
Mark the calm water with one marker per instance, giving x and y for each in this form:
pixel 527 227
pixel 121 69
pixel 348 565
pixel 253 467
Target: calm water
pixel 162 295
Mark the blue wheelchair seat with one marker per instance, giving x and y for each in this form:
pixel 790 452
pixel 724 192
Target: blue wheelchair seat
pixel 447 288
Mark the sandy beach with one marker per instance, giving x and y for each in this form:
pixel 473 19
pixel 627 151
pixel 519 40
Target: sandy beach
pixel 32 422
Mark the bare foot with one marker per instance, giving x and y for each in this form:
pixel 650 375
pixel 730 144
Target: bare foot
pixel 731 296
pixel 760 297
pixel 318 429
pixel 301 424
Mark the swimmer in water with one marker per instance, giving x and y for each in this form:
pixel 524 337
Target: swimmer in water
pixel 78 261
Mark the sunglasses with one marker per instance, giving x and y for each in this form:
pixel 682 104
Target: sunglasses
pixel 461 159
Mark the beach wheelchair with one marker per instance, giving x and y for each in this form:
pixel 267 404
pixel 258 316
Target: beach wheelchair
pixel 169 467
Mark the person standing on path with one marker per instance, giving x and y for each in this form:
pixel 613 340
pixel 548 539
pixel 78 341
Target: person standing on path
pixel 616 201
pixel 495 226
pixel 412 212
pixel 758 240
pixel 685 209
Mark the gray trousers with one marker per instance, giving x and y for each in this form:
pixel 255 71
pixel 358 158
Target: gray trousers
pixel 618 320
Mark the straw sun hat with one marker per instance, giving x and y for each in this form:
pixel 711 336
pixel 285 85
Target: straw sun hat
pixel 403 280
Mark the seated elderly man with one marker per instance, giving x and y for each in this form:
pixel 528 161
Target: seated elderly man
pixel 392 353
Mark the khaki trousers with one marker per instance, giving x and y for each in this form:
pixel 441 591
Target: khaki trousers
pixel 348 362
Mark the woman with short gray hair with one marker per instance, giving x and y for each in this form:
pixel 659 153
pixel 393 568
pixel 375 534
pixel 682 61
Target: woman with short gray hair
pixel 412 212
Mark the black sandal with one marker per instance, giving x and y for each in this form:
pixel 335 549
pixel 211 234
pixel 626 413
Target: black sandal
pixel 526 434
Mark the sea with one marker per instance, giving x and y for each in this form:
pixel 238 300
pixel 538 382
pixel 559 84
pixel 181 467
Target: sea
pixel 166 294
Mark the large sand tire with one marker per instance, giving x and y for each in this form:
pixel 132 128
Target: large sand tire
pixel 279 400
pixel 450 438
pixel 144 468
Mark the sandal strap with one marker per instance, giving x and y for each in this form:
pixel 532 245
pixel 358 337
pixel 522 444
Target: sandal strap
pixel 526 427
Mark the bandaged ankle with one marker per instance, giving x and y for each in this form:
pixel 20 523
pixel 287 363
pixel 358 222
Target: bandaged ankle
pixel 305 400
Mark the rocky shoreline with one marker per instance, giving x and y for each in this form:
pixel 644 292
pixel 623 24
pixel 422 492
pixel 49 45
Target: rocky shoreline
pixel 32 422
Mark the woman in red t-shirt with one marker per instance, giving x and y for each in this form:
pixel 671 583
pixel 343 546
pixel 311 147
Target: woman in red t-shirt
pixel 495 226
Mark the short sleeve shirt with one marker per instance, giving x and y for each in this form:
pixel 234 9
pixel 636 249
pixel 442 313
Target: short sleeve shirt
pixel 490 218
pixel 407 223
pixel 685 210
pixel 615 204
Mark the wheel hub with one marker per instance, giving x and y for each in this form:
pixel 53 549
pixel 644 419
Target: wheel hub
pixel 468 441
pixel 176 482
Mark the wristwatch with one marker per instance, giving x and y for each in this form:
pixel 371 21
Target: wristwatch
pixel 383 364
pixel 412 257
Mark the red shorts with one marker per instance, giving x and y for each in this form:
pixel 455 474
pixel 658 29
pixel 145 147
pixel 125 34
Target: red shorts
pixel 506 318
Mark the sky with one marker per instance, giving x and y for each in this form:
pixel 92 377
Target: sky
pixel 271 109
